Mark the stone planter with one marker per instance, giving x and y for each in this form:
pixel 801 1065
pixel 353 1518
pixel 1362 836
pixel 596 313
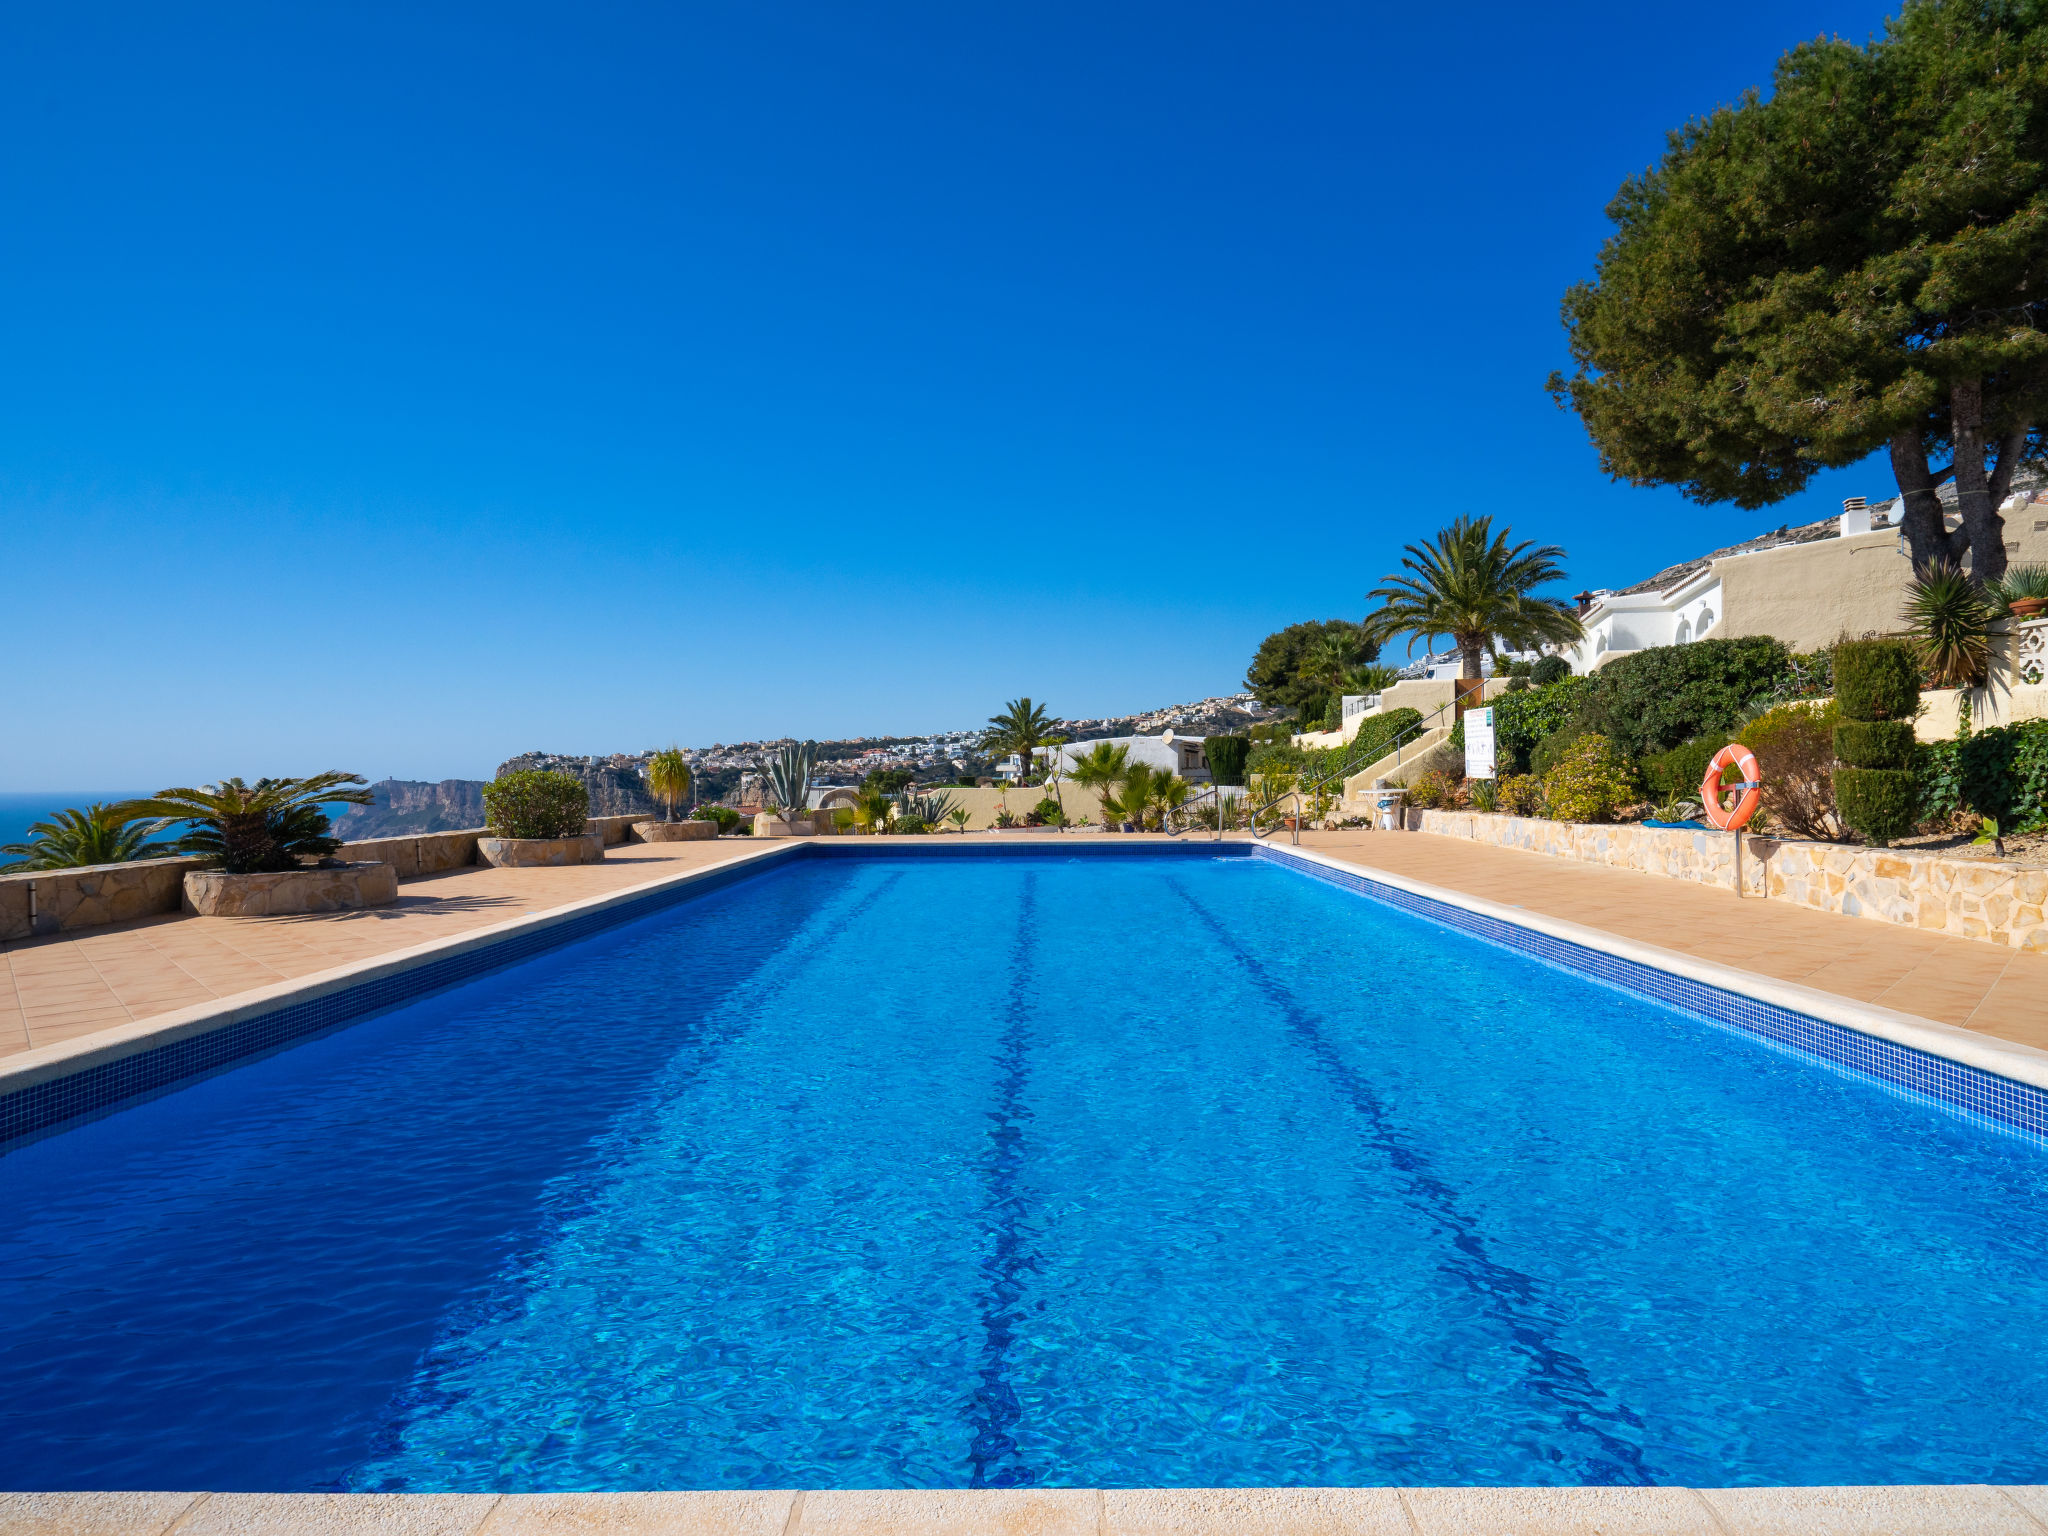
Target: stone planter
pixel 540 852
pixel 775 826
pixel 674 831
pixel 210 893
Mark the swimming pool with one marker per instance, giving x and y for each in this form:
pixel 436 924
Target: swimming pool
pixel 996 1171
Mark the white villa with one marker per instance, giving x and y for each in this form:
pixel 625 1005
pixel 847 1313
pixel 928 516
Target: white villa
pixel 1808 586
pixel 1166 752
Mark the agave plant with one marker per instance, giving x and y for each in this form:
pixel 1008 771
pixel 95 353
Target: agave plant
pixel 254 828
pixel 99 834
pixel 929 809
pixel 668 779
pixel 1949 617
pixel 788 776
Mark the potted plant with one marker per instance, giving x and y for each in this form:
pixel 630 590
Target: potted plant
pixel 668 780
pixel 270 847
pixel 537 819
pixel 2023 591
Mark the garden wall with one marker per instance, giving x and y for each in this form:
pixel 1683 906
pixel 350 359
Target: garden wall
pixel 1971 898
pixel 57 901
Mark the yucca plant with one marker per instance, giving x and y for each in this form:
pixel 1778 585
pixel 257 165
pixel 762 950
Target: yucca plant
pixel 668 779
pixel 256 828
pixel 99 834
pixel 788 777
pixel 1949 618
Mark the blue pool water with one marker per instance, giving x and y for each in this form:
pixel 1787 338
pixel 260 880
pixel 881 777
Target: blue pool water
pixel 1001 1171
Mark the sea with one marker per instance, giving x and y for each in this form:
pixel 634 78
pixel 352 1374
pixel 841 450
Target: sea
pixel 18 811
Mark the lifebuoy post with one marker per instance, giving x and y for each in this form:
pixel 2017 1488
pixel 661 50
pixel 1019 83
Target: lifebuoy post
pixel 1749 795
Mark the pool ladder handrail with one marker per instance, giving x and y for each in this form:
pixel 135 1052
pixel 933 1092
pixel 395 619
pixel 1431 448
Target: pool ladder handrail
pixel 1299 792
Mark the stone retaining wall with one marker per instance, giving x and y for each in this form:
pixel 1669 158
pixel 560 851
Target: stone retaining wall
pixel 57 901
pixel 1971 898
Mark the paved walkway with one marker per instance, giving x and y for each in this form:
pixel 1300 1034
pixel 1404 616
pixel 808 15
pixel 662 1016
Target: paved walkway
pixel 1998 991
pixel 59 988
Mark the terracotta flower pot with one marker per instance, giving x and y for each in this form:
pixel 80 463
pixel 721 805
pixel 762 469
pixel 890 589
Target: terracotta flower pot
pixel 2028 607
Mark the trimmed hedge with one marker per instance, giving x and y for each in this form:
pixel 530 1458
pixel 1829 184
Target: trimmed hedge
pixel 1875 743
pixel 1227 755
pixel 1881 803
pixel 1877 680
pixel 1654 700
pixel 536 803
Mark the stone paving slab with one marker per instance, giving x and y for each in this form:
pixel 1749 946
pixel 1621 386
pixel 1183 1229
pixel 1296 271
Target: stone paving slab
pixel 1967 1510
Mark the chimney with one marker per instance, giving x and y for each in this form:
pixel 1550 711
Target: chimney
pixel 1585 602
pixel 1855 516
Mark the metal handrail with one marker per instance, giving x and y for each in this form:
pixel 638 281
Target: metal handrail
pixel 1345 769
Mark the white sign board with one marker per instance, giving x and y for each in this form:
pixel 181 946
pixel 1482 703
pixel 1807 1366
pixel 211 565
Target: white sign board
pixel 1479 743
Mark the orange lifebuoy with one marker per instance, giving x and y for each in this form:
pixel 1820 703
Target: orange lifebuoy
pixel 1750 790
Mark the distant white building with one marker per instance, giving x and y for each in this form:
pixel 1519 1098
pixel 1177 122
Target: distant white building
pixel 1166 752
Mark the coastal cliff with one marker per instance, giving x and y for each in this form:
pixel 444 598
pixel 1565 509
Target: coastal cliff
pixel 409 806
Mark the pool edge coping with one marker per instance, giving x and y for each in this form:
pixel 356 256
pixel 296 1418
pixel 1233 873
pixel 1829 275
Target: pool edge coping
pixel 63 1058
pixel 1951 1042
pixel 1901 1509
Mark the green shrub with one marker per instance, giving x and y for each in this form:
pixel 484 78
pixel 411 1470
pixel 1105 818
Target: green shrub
pixel 2000 773
pixel 1877 680
pixel 1881 803
pixel 1522 720
pixel 536 802
pixel 1549 670
pixel 1520 794
pixel 1795 751
pixel 1227 756
pixel 1874 743
pixel 1551 750
pixel 726 818
pixel 1678 773
pixel 1590 782
pixel 1376 734
pixel 1654 700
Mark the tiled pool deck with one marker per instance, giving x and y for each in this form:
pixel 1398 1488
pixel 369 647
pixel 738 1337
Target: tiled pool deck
pixel 1906 1511
pixel 62 993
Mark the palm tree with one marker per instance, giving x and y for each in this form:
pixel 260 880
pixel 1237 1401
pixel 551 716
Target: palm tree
pixel 253 828
pixel 1023 727
pixel 1470 586
pixel 99 834
pixel 1135 794
pixel 1170 792
pixel 1098 768
pixel 668 778
pixel 873 809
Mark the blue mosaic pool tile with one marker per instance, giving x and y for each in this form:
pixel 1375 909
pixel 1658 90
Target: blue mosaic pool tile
pixel 1958 1089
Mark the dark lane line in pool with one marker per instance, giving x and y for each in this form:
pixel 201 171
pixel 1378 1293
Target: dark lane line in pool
pixel 1513 1297
pixel 993 1452
pixel 507 1295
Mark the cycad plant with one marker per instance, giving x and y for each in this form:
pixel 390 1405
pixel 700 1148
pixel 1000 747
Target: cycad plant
pixel 1470 586
pixel 788 777
pixel 1099 768
pixel 256 828
pixel 1949 618
pixel 668 779
pixel 99 834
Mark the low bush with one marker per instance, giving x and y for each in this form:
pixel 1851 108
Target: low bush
pixel 1227 756
pixel 536 802
pixel 1520 794
pixel 1047 813
pixel 2000 774
pixel 1651 701
pixel 1551 750
pixel 725 817
pixel 1590 782
pixel 1549 670
pixel 1795 751
pixel 1436 790
pixel 1522 720
pixel 1678 773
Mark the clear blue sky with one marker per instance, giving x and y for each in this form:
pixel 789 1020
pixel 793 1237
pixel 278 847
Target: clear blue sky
pixel 397 388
